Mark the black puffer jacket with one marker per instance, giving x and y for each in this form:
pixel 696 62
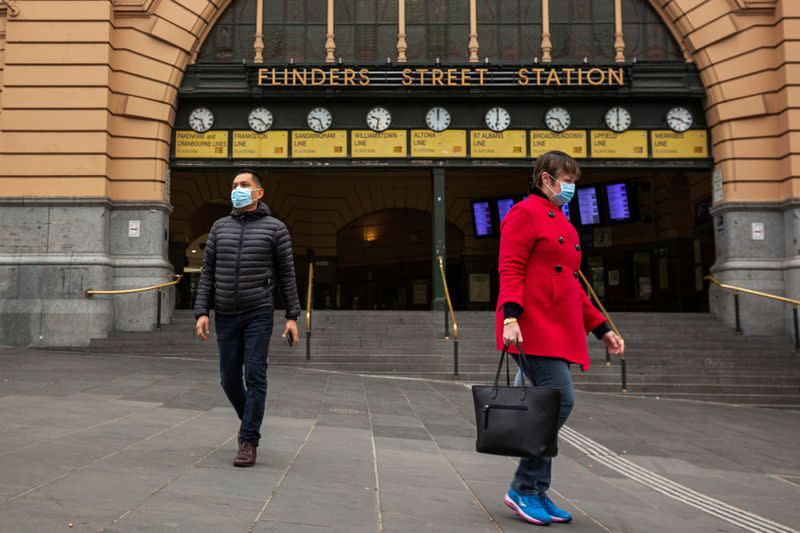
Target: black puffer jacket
pixel 244 254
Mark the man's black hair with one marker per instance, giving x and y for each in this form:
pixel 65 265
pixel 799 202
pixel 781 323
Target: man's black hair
pixel 256 176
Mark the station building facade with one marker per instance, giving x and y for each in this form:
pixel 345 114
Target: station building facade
pixel 393 132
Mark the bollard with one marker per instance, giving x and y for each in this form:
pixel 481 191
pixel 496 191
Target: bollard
pixel 158 311
pixel 738 318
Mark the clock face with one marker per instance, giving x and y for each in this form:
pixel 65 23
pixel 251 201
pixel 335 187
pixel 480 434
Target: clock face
pixel 438 118
pixel 260 119
pixel 379 119
pixel 557 119
pixel 319 119
pixel 679 119
pixel 498 119
pixel 618 119
pixel 201 119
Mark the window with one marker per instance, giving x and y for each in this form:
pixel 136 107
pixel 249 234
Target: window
pixel 510 31
pixel 646 35
pixel 582 29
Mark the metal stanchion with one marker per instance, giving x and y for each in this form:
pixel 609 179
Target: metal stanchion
pixel 624 374
pixel 158 311
pixel 738 317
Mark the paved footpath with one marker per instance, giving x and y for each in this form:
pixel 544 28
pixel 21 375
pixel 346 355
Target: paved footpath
pixel 144 444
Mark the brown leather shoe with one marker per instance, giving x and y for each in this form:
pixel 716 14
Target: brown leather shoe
pixel 246 455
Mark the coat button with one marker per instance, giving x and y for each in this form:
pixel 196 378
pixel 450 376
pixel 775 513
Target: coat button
pixel 578 247
pixel 551 214
pixel 559 268
pixel 575 274
pixel 561 240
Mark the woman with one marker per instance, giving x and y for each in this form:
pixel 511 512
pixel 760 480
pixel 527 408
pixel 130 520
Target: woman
pixel 543 309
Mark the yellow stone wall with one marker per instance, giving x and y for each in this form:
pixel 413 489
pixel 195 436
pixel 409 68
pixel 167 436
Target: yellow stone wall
pixel 89 91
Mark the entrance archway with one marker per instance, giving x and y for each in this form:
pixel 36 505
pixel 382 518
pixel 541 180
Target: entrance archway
pixel 384 260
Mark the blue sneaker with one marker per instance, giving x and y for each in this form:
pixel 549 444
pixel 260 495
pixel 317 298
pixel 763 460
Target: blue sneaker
pixel 528 507
pixel 557 515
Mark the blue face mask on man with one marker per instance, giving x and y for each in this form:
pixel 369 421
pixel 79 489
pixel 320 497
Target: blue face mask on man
pixel 566 194
pixel 241 197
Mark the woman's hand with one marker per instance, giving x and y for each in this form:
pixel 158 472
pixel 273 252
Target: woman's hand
pixel 614 343
pixel 512 334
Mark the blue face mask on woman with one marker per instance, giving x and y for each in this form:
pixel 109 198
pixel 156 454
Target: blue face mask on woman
pixel 241 197
pixel 566 194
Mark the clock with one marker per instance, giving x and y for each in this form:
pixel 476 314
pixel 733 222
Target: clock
pixel 498 119
pixel 557 119
pixel 260 119
pixel 201 119
pixel 319 119
pixel 438 118
pixel 379 119
pixel 679 119
pixel 618 119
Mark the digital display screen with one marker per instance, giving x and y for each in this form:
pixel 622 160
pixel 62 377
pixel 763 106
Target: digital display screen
pixel 565 210
pixel 588 206
pixel 483 218
pixel 618 204
pixel 504 205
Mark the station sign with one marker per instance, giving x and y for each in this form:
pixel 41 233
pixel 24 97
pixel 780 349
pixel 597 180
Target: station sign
pixel 331 144
pixel 439 145
pixel 208 145
pixel 667 144
pixel 509 144
pixel 382 145
pixel 268 145
pixel 571 142
pixel 630 144
pixel 436 76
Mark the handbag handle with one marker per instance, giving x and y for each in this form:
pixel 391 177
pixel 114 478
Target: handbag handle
pixel 505 355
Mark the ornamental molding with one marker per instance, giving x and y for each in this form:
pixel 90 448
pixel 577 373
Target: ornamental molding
pixel 754 7
pixel 134 8
pixel 10 6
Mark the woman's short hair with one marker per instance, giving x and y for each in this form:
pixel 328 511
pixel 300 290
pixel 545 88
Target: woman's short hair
pixel 553 163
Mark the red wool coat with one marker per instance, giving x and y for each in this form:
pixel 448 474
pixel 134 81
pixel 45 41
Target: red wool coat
pixel 540 256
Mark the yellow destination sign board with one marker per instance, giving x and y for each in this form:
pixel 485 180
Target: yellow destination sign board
pixel 571 142
pixel 492 144
pixel 311 145
pixel 268 145
pixel 208 145
pixel 385 144
pixel 449 143
pixel 626 145
pixel 667 144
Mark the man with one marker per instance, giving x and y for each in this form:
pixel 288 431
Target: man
pixel 246 253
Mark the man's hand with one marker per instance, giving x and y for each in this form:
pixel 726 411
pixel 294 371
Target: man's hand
pixel 512 334
pixel 614 344
pixel 291 331
pixel 202 327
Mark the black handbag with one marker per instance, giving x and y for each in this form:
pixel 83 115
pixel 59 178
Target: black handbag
pixel 516 421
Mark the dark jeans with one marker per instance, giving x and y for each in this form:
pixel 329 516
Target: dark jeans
pixel 243 342
pixel 534 473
